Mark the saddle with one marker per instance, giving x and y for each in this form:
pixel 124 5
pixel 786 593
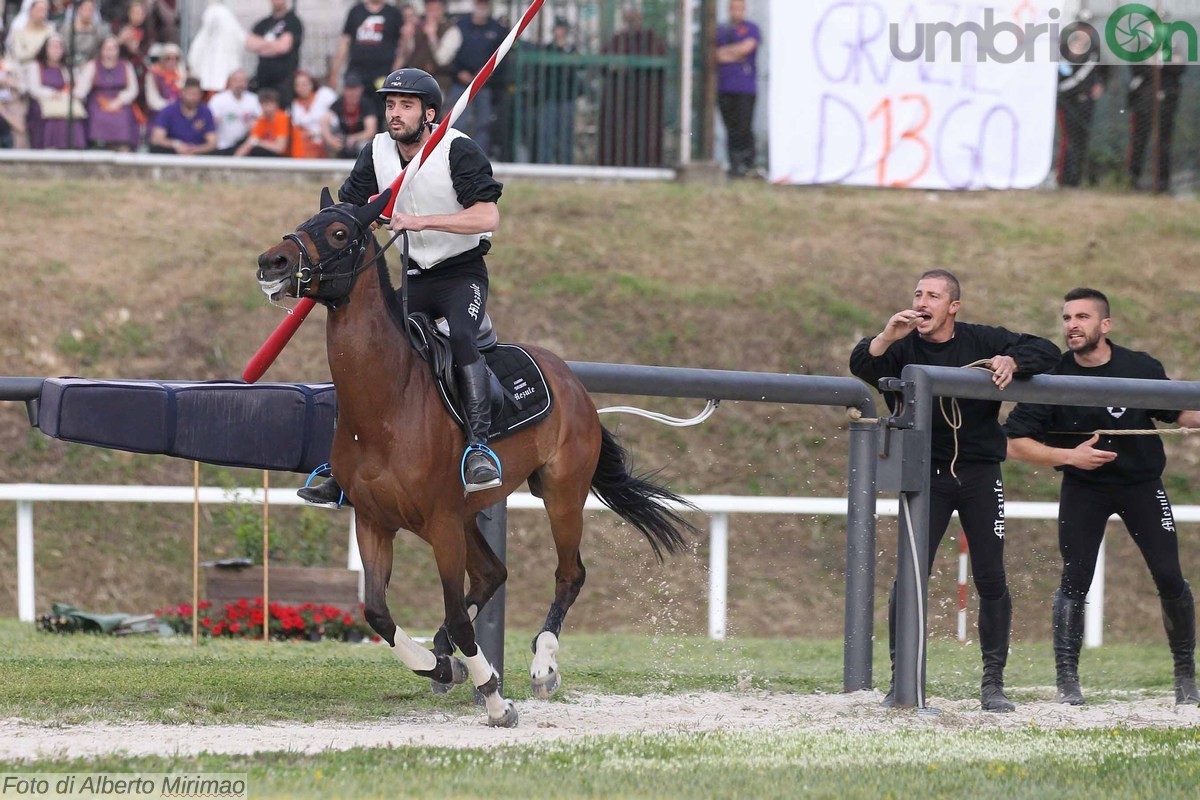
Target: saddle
pixel 518 390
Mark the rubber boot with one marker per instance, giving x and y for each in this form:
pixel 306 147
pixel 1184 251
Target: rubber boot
pixel 995 626
pixel 1179 619
pixel 889 700
pixel 328 492
pixel 1068 639
pixel 480 471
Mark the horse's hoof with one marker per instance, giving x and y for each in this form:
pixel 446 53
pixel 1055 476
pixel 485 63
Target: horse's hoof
pixel 506 720
pixel 545 686
pixel 459 671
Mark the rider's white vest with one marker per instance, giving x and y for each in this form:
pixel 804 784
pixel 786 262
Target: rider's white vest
pixel 430 191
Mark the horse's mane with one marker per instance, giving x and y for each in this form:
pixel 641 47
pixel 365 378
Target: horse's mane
pixel 392 303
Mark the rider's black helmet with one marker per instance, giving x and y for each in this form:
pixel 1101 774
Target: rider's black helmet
pixel 416 82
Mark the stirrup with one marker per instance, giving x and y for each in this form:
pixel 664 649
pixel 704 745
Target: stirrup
pixel 323 471
pixel 479 447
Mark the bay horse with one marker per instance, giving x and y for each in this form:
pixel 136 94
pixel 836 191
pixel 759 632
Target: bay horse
pixel 396 453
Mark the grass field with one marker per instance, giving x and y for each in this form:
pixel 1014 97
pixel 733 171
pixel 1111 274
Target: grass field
pixel 786 282
pixel 59 682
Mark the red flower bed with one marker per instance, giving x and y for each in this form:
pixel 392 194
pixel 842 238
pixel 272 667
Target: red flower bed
pixel 244 618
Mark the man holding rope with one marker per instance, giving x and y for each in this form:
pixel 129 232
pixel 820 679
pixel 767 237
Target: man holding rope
pixel 455 195
pixel 1107 469
pixel 968 447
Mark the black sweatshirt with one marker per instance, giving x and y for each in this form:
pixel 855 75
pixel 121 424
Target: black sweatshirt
pixel 980 437
pixel 1139 459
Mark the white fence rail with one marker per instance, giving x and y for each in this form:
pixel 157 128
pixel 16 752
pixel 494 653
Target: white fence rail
pixel 717 507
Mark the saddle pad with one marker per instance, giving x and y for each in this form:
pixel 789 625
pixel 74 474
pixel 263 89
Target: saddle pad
pixel 526 395
pixel 278 426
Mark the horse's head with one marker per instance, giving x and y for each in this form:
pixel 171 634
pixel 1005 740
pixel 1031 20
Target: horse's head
pixel 322 257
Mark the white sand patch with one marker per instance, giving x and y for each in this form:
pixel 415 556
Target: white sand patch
pixel 581 716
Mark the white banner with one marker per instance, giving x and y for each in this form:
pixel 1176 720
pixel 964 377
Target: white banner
pixel 867 92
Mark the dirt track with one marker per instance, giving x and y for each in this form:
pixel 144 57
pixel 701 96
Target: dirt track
pixel 580 717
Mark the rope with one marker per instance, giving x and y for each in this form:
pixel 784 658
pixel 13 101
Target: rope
pixel 1132 432
pixel 674 422
pixel 855 415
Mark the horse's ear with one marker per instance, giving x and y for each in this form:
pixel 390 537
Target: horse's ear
pixel 371 211
pixel 326 198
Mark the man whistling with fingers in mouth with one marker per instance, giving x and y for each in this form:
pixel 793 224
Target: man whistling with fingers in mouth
pixel 965 465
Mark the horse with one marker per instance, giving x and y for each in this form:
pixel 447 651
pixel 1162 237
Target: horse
pixel 396 453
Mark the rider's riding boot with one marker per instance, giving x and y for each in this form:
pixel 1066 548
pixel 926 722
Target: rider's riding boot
pixel 995 625
pixel 1068 639
pixel 327 492
pixel 889 700
pixel 480 471
pixel 1179 618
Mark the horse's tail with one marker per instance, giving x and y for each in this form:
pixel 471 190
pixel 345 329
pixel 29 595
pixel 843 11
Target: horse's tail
pixel 637 499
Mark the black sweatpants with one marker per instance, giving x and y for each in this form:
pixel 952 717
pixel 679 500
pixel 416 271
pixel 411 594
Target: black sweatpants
pixel 459 294
pixel 977 494
pixel 1083 511
pixel 737 113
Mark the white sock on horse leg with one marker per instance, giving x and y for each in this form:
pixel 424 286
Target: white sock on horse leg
pixel 413 655
pixel 544 655
pixel 482 672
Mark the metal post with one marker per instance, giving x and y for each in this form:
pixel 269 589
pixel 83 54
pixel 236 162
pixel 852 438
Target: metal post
pixel 489 625
pixel 1093 611
pixel 354 557
pixel 25 589
pixel 860 558
pixel 912 576
pixel 687 42
pixel 718 575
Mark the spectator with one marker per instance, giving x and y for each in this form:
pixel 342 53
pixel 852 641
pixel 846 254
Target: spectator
pixel 217 48
pixel 631 106
pixel 30 30
pixel 737 86
pixel 186 126
pixel 964 468
pixel 133 39
pixel 110 86
pixel 135 48
pixel 309 105
pixel 271 133
pixel 350 122
pixel 1116 474
pixel 433 44
pixel 559 86
pixel 165 78
pixel 162 19
pixel 55 115
pixel 235 111
pixel 1154 92
pixel 370 40
pixel 83 32
pixel 276 40
pixel 481 35
pixel 1081 79
pixel 12 117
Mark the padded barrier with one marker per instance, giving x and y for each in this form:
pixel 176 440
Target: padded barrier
pixel 277 426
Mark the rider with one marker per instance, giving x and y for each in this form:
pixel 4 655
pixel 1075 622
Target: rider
pixel 449 210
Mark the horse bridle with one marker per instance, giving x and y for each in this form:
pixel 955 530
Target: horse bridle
pixel 310 269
